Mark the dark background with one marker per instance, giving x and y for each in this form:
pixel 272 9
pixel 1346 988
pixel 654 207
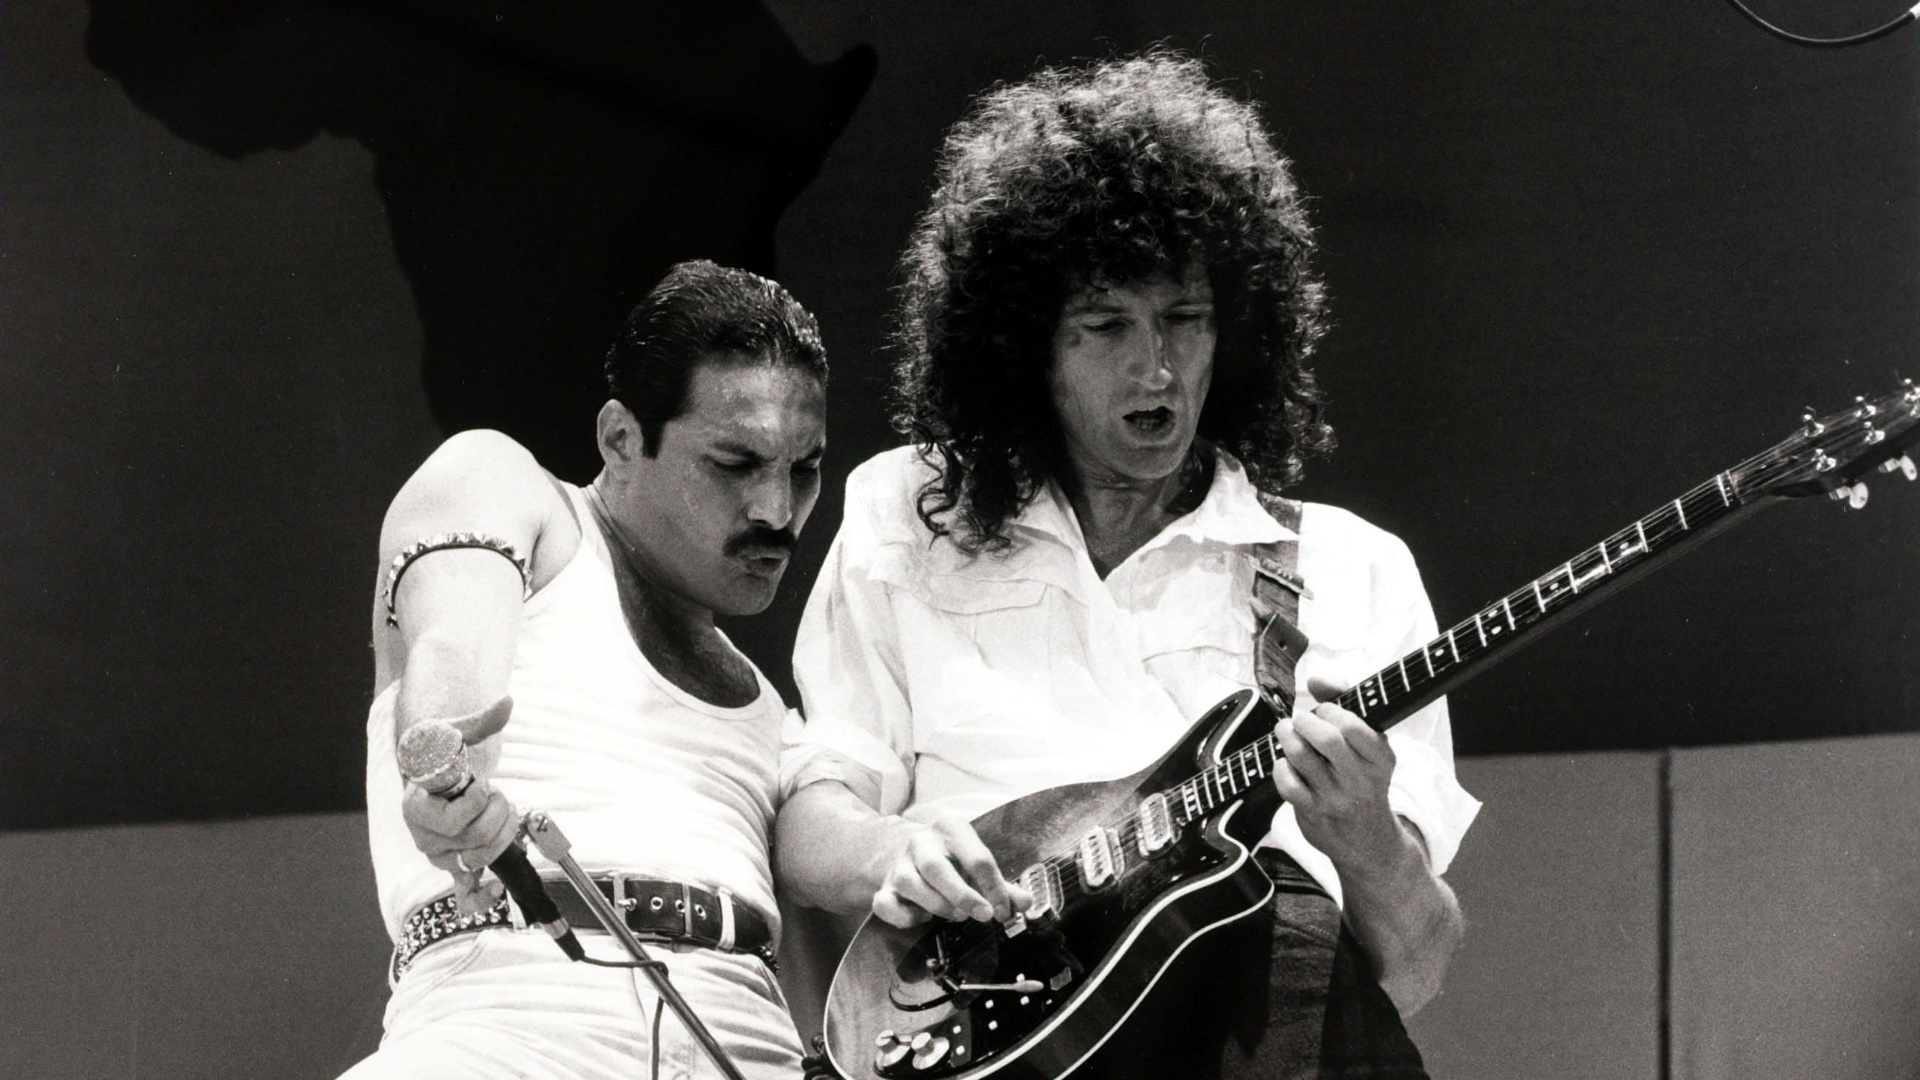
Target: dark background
pixel 257 258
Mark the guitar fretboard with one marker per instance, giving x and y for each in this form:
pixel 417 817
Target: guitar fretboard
pixel 1392 694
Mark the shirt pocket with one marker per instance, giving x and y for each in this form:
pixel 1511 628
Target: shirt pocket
pixel 1198 641
pixel 964 595
pixel 1211 611
pixel 1001 657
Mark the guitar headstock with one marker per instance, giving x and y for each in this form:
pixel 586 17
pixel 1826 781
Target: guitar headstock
pixel 1832 453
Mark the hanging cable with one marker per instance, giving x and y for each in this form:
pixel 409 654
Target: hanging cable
pixel 1826 43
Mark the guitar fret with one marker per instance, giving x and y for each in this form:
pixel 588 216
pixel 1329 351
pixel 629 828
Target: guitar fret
pixel 1643 537
pixel 1720 481
pixel 1478 629
pixel 1538 598
pixel 1595 574
pixel 1427 655
pixel 1682 511
pixel 1404 680
pixel 1506 604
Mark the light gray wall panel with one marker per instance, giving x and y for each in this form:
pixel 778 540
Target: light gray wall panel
pixel 1559 882
pixel 1796 911
pixel 175 952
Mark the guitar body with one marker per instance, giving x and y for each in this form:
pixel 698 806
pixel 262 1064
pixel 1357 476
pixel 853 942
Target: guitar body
pixel 1085 966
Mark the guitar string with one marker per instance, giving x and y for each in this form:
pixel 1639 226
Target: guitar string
pixel 1763 469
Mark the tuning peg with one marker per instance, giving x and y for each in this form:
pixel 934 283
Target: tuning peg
pixel 1854 494
pixel 1902 465
pixel 1813 426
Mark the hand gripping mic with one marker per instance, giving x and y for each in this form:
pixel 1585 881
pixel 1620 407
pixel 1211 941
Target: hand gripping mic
pixel 433 754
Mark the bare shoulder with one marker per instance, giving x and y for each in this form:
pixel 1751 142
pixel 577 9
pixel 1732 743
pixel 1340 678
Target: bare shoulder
pixel 482 481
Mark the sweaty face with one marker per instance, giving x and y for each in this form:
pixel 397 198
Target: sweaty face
pixel 1131 367
pixel 715 513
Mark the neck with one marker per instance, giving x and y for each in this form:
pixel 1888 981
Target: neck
pixel 657 608
pixel 1119 515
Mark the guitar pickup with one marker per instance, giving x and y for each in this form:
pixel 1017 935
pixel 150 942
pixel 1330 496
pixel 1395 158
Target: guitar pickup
pixel 1041 884
pixel 1156 824
pixel 1099 858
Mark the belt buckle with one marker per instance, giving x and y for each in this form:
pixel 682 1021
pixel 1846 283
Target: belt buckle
pixel 686 910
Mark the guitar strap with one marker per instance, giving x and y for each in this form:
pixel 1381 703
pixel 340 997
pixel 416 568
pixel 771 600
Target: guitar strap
pixel 1277 589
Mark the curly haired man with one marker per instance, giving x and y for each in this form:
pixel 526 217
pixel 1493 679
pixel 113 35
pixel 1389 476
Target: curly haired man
pixel 1103 336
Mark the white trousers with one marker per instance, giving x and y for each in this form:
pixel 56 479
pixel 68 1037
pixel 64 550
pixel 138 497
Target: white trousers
pixel 506 1003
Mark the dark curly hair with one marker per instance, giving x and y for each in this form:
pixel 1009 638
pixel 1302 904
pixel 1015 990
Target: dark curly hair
pixel 1113 172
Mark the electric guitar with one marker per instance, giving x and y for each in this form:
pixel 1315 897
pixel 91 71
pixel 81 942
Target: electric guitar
pixel 1124 873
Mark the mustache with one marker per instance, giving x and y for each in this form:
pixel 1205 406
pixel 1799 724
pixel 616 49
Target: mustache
pixel 761 538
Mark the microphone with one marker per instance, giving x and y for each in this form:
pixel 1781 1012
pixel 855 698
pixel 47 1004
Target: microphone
pixel 433 754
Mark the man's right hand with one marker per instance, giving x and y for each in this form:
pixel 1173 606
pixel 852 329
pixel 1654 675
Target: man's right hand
pixel 462 835
pixel 943 869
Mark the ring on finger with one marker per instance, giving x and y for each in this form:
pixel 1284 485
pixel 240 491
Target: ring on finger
pixel 461 859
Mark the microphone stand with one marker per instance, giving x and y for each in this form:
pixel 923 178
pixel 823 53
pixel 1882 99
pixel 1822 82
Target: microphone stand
pixel 546 836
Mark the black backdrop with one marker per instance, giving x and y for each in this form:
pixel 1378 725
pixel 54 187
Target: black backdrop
pixel 255 258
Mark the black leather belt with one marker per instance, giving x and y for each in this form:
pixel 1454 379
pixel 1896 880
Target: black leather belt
pixel 671 911
pixel 664 911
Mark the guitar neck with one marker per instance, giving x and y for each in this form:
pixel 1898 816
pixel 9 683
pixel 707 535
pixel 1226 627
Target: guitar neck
pixel 1496 632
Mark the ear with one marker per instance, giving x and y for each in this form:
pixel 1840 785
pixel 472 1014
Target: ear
pixel 618 434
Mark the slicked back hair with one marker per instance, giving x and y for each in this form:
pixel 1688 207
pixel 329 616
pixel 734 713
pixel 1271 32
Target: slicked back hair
pixel 701 311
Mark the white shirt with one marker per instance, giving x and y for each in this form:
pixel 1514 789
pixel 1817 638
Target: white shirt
pixel 936 683
pixel 641 776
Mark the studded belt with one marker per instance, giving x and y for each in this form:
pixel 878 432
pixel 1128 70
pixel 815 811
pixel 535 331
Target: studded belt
pixel 665 911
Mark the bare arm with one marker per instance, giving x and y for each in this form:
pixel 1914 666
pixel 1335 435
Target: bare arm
pixel 835 852
pixel 458 614
pixel 1404 916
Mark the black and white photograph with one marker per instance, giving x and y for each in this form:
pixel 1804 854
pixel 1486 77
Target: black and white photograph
pixel 848 540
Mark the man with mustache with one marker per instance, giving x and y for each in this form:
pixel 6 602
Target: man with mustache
pixel 1103 331
pixel 569 633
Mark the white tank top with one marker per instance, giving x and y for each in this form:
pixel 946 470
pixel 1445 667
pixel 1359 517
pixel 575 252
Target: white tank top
pixel 641 776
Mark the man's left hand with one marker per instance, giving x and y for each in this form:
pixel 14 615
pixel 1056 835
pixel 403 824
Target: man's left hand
pixel 1335 775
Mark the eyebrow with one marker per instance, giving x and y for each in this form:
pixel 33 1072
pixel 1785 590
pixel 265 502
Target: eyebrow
pixel 1097 303
pixel 745 451
pixel 737 449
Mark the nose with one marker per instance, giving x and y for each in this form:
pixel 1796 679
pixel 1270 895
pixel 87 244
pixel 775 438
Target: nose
pixel 770 503
pixel 1155 363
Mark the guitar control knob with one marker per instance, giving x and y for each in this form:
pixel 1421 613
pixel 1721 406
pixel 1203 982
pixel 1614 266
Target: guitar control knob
pixel 892 1052
pixel 930 1054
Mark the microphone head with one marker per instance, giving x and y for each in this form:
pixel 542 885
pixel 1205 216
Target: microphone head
pixel 434 755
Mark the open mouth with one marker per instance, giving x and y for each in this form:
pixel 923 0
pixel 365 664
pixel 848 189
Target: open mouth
pixel 1155 421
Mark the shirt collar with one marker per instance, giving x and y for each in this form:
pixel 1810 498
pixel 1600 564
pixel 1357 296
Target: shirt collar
pixel 1231 513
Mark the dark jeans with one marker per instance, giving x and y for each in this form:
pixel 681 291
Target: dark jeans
pixel 1285 995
